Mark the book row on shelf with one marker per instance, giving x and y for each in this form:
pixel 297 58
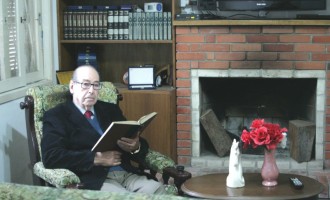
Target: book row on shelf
pixel 105 24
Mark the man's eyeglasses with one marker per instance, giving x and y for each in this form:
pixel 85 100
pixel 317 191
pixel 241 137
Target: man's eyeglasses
pixel 87 85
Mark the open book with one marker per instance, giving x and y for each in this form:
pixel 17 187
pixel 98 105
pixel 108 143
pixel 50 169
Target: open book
pixel 119 129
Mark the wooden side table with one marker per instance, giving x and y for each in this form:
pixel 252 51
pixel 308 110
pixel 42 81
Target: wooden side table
pixel 213 186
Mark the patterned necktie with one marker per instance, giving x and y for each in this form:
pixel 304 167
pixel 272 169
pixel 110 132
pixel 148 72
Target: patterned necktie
pixel 88 114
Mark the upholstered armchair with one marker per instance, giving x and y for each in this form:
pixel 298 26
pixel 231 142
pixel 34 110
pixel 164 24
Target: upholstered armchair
pixel 40 99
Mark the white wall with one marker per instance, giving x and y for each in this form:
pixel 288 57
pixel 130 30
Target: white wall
pixel 14 152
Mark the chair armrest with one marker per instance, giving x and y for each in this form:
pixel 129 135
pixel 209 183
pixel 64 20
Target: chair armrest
pixel 60 178
pixel 157 161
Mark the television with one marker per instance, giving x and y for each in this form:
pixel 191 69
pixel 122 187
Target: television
pixel 262 5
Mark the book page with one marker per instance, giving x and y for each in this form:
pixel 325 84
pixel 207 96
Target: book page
pixel 147 117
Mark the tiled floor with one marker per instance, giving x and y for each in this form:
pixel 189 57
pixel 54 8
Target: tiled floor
pixel 322 176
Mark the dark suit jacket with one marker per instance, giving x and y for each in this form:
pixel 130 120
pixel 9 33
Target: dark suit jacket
pixel 68 138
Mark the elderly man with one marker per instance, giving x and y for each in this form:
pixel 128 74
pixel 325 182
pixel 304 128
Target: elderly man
pixel 68 137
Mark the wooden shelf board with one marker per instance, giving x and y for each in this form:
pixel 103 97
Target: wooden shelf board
pixel 116 41
pixel 251 22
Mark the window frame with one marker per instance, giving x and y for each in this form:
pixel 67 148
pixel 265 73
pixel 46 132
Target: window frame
pixel 47 48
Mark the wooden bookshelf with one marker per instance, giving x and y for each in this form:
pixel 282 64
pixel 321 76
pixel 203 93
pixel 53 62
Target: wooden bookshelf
pixel 115 56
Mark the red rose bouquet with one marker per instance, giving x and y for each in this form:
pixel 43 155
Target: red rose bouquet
pixel 263 134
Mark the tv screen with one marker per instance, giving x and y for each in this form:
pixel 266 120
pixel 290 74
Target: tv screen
pixel 258 5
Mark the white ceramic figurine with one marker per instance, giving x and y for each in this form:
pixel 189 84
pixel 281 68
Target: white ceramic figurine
pixel 235 177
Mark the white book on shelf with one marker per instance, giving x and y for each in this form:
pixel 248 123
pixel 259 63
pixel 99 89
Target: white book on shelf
pixel 115 24
pixel 156 21
pixel 165 26
pixel 152 25
pixel 120 25
pixel 169 25
pixel 125 24
pixel 110 24
pixel 130 26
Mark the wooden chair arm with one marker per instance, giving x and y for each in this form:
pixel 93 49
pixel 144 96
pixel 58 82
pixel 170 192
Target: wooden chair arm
pixel 178 174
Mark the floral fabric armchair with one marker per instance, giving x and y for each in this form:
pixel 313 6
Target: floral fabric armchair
pixel 40 99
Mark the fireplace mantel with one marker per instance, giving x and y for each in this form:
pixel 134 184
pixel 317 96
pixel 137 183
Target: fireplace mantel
pixel 269 22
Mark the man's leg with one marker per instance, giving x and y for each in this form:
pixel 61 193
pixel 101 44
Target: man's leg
pixel 142 184
pixel 111 184
pixel 122 181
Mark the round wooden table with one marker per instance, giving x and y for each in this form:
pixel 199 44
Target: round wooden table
pixel 213 186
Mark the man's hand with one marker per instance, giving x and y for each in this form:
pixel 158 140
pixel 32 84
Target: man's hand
pixel 107 158
pixel 129 144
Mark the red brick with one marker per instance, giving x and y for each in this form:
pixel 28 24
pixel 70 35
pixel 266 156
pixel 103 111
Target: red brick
pixel 214 29
pixel 183 110
pixel 245 47
pixel 327 137
pixel 321 57
pixel 182 65
pixel 278 47
pixel 259 56
pixel 311 29
pixel 183 47
pixel 184 143
pixel 310 65
pixel 327 146
pixel 321 39
pixel 214 47
pixel 327 155
pixel 183 83
pixel 295 38
pixel 195 47
pixel 229 56
pixel 189 38
pixel 245 29
pixel 277 65
pixel 184 152
pixel 213 65
pixel 190 56
pixel 194 30
pixel 210 55
pixel 184 160
pixel 183 92
pixel 262 38
pixel 182 30
pixel 183 74
pixel 183 118
pixel 310 48
pixel 293 56
pixel 183 127
pixel 231 38
pixel 194 64
pixel 277 29
pixel 210 39
pixel 245 64
pixel 184 135
pixel 183 101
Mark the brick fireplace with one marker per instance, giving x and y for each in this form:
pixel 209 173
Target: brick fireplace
pixel 256 52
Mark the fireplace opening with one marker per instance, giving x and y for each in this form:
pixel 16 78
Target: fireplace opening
pixel 237 101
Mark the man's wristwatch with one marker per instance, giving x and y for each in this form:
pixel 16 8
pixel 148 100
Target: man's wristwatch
pixel 136 151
